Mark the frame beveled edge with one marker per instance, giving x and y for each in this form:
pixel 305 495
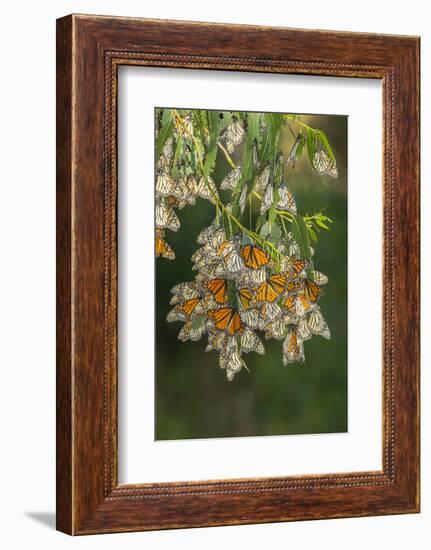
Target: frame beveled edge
pixel 89 499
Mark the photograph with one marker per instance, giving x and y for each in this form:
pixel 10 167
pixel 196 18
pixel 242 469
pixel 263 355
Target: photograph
pixel 251 273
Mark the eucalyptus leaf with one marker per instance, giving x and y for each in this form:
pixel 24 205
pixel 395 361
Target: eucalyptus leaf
pixel 300 234
pixel 167 126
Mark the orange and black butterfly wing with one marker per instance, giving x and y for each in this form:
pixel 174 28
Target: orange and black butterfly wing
pixel 245 297
pixel 267 293
pixel 218 287
pixel 235 324
pixel 254 257
pixel 311 291
pixel 189 305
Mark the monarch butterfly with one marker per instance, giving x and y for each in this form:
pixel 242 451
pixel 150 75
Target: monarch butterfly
pixel 270 311
pixel 216 340
pixel 234 135
pixel 227 318
pixel 163 249
pixel 166 218
pixel 207 189
pixel 232 362
pixel 182 312
pixel 231 179
pixel 251 277
pixel 173 202
pixel 296 264
pixel 185 126
pixel 295 306
pixel 245 297
pixel 251 342
pixel 165 158
pixel 293 155
pixel 318 325
pixel 271 289
pixel 262 180
pixel 268 198
pixel 181 190
pixel 165 185
pixel 320 278
pixel 303 329
pixel 323 164
pixel 189 305
pixel 250 317
pixel 243 199
pixel 293 348
pixel 293 285
pixel 191 331
pixel 253 256
pixel 275 329
pixel 218 287
pixel 286 199
pixel 228 250
pixel 310 291
pixel 183 292
pixel 211 234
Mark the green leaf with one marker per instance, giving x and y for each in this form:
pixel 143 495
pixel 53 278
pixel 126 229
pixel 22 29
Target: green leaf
pixel 313 234
pixel 178 152
pixel 311 144
pixel 321 224
pixel 300 234
pixel 265 231
pixel 324 141
pixel 275 234
pixel 211 155
pixel 165 130
pixel 269 143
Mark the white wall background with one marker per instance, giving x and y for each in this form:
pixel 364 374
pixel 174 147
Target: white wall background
pixel 27 308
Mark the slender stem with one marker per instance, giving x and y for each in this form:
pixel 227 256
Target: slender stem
pixel 299 122
pixel 227 156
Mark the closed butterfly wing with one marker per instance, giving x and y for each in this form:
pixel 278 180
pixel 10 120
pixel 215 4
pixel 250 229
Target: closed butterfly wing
pixel 324 165
pixel 165 185
pixel 243 199
pixel 207 189
pixel 166 218
pixel 320 278
pixel 303 330
pixel 234 135
pixel 286 199
pixel 164 250
pixel 262 180
pixel 232 178
pixel 275 329
pixel 267 199
pixel 269 312
pixel 250 318
pixel 293 348
pixel 251 342
pixel 318 325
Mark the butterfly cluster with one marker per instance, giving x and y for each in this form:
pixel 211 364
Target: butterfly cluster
pixel 251 283
pixel 239 291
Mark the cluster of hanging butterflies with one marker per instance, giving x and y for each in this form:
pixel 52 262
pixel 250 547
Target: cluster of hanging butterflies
pixel 243 292
pixel 239 290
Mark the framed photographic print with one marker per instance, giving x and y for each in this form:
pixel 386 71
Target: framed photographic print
pixel 237 274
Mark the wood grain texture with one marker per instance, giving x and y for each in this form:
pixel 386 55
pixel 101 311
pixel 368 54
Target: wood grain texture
pixel 90 49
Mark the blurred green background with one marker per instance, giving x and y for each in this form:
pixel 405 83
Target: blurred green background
pixel 193 397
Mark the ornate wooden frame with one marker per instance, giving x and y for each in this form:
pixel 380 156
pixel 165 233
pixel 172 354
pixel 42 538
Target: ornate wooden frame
pixel 89 51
